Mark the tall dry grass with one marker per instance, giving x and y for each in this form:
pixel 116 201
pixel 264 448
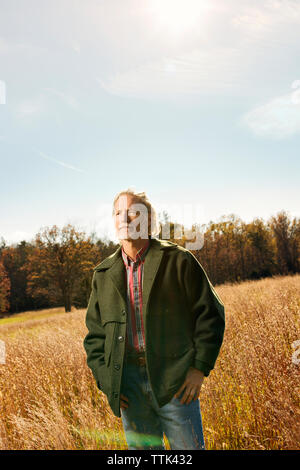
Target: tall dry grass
pixel 49 400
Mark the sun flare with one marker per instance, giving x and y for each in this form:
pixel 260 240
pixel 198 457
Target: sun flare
pixel 178 16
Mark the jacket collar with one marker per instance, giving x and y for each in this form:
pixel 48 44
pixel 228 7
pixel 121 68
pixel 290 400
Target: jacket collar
pixel 116 269
pixel 155 245
pixel 139 257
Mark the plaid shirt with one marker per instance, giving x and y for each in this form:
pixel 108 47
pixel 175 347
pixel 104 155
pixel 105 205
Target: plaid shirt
pixel 135 337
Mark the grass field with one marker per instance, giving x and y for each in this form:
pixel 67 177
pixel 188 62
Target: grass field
pixel 49 400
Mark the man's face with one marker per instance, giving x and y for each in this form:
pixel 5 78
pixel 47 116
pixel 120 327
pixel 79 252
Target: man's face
pixel 130 221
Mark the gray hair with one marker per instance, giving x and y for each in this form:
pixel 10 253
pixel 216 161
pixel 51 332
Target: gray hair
pixel 154 228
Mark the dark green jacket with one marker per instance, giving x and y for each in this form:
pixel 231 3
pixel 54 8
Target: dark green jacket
pixel 183 317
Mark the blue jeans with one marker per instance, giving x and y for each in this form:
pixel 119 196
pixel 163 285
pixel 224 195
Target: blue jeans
pixel 144 422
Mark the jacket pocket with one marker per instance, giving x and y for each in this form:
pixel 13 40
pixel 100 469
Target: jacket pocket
pixel 110 328
pixel 101 378
pixel 180 351
pixel 173 346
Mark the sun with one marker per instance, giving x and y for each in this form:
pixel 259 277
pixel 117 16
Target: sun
pixel 177 16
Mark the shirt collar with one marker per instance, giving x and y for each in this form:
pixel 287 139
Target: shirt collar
pixel 139 257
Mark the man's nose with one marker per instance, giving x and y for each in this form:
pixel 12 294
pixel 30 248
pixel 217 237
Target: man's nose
pixel 124 216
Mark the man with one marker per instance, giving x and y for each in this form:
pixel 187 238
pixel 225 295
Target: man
pixel 155 326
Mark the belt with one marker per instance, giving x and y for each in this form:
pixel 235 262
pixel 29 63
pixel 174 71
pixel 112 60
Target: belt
pixel 136 358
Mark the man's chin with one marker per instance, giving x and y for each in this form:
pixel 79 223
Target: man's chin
pixel 124 236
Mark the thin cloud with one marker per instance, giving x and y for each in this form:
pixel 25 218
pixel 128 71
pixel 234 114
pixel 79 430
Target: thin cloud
pixel 30 108
pixel 8 48
pixel 198 72
pixel 234 44
pixel 70 100
pixel 76 47
pixel 279 118
pixel 59 162
pixel 40 105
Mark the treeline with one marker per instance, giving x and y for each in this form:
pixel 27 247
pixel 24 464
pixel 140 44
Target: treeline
pixel 56 269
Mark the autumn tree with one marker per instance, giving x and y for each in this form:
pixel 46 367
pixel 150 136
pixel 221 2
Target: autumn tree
pixel 286 234
pixel 262 250
pixel 4 289
pixel 295 243
pixel 14 258
pixel 100 249
pixel 2 244
pixel 59 261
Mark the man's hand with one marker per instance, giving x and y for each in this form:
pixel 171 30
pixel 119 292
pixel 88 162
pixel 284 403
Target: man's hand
pixel 192 385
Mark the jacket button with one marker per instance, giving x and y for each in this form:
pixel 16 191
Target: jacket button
pixel 117 366
pixel 121 338
pixel 116 394
pixel 123 312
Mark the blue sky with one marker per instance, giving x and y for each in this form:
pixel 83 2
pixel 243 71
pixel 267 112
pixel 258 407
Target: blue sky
pixel 196 102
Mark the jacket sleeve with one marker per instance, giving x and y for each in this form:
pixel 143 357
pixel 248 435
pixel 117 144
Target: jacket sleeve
pixel 208 315
pixel 95 339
